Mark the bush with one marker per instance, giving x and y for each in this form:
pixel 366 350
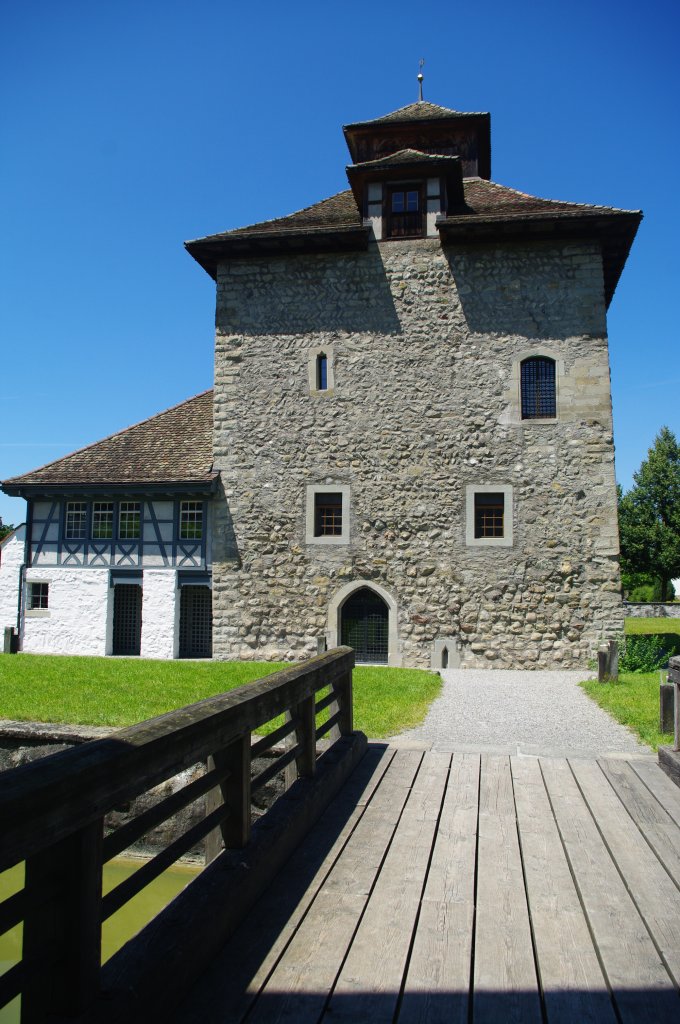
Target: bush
pixel 642 588
pixel 645 653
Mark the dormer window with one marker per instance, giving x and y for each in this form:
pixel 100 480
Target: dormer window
pixel 404 214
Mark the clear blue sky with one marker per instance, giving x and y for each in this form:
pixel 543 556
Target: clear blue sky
pixel 127 127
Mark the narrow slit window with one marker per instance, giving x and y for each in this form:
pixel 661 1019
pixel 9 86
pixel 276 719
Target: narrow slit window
pixel 322 372
pixel 489 515
pixel 539 399
pixel 327 515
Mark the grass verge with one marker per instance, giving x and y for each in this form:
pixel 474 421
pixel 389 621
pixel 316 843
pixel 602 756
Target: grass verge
pixel 123 691
pixel 634 701
pixel 636 626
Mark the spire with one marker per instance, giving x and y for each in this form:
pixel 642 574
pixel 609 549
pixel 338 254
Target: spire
pixel 420 79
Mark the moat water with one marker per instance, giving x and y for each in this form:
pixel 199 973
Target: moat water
pixel 117 930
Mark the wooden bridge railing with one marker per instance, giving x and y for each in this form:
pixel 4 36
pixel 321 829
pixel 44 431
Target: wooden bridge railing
pixel 52 816
pixel 674 677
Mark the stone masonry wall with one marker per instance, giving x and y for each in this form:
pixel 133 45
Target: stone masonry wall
pixel 426 346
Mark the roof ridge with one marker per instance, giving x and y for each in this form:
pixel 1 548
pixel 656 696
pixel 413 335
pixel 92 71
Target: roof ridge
pixel 109 437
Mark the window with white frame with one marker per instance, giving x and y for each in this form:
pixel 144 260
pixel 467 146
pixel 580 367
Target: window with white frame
pixel 191 520
pixel 75 524
pixel 129 520
pixel 102 520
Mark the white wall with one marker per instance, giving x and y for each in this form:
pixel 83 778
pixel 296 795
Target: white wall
pixel 160 614
pixel 11 558
pixel 75 621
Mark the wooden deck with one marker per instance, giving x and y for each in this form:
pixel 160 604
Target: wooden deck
pixel 464 888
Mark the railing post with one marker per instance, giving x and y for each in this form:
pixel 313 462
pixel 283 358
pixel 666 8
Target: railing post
pixel 234 791
pixel 674 677
pixel 343 692
pixel 304 717
pixel 62 926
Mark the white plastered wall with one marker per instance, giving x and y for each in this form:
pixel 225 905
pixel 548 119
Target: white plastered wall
pixel 11 560
pixel 75 619
pixel 160 614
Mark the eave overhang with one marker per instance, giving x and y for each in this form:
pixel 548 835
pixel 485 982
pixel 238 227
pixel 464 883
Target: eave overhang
pixel 213 250
pixel 614 231
pixel 153 488
pixel 390 170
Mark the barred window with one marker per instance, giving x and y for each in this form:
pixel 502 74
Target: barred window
pixel 489 514
pixel 76 520
pixel 537 379
pixel 327 515
pixel 191 520
pixel 129 520
pixel 38 595
pixel 102 520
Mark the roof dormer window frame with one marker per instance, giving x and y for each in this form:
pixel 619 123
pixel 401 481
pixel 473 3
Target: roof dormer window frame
pixel 404 218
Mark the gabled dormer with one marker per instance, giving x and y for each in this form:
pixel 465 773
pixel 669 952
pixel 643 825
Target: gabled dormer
pixel 409 166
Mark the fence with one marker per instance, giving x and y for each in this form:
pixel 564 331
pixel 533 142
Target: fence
pixel 52 814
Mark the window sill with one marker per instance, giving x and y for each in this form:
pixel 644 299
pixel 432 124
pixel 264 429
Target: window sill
pixel 37 613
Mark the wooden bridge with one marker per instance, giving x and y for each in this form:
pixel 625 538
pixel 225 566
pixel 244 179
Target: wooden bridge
pixel 385 885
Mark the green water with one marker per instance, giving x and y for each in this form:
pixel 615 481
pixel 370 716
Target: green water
pixel 117 930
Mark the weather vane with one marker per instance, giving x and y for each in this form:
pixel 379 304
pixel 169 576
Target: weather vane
pixel 420 79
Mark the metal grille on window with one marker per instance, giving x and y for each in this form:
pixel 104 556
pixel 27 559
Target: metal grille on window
pixel 489 513
pixel 538 388
pixel 327 515
pixel 102 520
pixel 76 518
pixel 127 619
pixel 129 520
pixel 191 520
pixel 364 627
pixel 195 622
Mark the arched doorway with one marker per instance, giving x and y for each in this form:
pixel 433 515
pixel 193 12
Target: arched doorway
pixel 364 625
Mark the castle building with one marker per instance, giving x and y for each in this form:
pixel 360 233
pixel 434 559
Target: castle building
pixel 411 446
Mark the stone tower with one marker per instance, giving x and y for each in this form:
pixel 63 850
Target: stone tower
pixel 412 413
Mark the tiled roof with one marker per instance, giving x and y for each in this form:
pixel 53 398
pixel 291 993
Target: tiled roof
pixel 173 447
pixel 419 111
pixel 405 156
pixel 487 198
pixel 338 211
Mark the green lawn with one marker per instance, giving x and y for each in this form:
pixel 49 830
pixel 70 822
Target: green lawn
pixel 634 701
pixel 122 691
pixel 652 626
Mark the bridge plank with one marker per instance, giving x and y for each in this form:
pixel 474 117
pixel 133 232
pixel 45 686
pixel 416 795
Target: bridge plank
pixel 437 983
pixel 658 783
pixel 655 895
pixel 574 988
pixel 641 986
pixel 505 981
pixel 370 980
pixel 656 825
pixel 296 990
pixel 233 981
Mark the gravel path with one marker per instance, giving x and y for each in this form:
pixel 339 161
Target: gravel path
pixel 520 713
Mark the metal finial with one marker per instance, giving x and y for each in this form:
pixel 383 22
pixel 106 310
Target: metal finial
pixel 420 79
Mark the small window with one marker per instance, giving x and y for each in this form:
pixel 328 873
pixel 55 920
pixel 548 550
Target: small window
pixel 328 515
pixel 489 515
pixel 76 520
pixel 537 382
pixel 322 372
pixel 129 520
pixel 38 595
pixel 191 520
pixel 404 212
pixel 102 520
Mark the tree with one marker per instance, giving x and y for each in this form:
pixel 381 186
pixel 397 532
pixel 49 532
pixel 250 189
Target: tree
pixel 649 514
pixel 4 530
